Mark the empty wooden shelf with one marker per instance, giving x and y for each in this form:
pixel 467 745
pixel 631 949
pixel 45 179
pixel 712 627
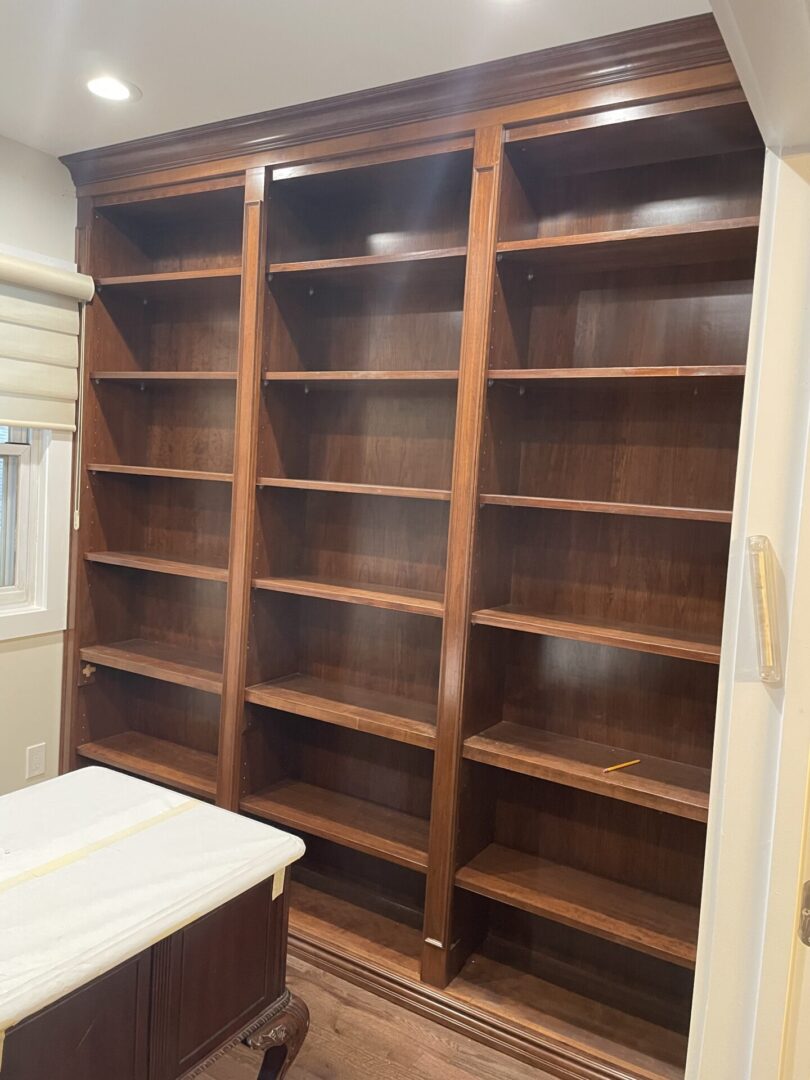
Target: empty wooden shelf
pixel 194 232
pixel 655 245
pixel 433 494
pixel 357 823
pixel 405 505
pixel 377 212
pixel 349 706
pixel 157 759
pixel 312 776
pixel 339 377
pixel 361 262
pixel 170 327
pixel 655 782
pixel 373 664
pixel 640 920
pixel 159 565
pixel 157 660
pixel 532 1007
pixel 172 474
pixel 167 626
pixel 358 908
pixel 394 599
pixel 168 277
pixel 604 578
pixel 155 729
pixel 514 617
pixel 379 433
pixel 354 931
pixel 164 376
pixel 541 502
pixel 662 371
pixel 179 518
pixel 668 442
pixel 164 425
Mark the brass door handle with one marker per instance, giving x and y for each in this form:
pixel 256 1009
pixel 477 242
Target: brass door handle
pixel 763 595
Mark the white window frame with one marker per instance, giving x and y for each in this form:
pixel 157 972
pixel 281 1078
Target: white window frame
pixel 19 522
pixel 37 601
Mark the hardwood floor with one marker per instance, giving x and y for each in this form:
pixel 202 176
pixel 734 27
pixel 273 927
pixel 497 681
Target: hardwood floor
pixel 358 1036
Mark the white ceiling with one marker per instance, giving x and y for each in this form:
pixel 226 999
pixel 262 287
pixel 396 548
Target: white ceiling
pixel 202 60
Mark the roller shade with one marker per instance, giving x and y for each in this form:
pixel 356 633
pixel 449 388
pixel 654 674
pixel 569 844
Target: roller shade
pixel 39 343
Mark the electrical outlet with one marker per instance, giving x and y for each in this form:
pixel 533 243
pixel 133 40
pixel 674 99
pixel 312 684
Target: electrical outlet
pixel 35 761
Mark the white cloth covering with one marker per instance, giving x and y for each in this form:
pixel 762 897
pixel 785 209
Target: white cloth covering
pixel 96 866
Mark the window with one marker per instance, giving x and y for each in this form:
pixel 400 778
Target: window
pixel 34 508
pixel 15 460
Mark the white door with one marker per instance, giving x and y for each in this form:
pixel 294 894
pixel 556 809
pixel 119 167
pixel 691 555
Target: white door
pixel 751 1009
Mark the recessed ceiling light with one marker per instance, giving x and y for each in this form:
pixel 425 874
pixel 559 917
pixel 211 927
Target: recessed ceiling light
pixel 107 86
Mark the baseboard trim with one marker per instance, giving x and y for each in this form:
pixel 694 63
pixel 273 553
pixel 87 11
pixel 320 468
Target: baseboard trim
pixel 512 1039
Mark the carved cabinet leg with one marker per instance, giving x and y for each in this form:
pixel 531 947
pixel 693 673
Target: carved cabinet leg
pixel 281 1038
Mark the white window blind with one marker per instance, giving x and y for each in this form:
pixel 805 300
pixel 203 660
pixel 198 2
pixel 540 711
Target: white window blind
pixel 39 343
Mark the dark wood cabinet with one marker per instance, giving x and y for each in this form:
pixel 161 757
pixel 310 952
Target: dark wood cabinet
pixel 166 1012
pixel 406 493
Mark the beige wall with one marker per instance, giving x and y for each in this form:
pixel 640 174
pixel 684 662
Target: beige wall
pixel 30 693
pixel 38 215
pixel 37 202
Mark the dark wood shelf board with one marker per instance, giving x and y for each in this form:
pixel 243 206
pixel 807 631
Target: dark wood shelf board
pixel 701 241
pixel 668 786
pixel 158 377
pixel 356 931
pixel 614 1043
pixel 353 377
pixel 684 371
pixel 680 513
pixel 366 262
pixel 356 823
pixel 165 762
pixel 407 600
pixel 169 277
pixel 169 474
pixel 638 920
pixel 350 707
pixel 157 660
pixel 178 568
pixel 387 491
pixel 640 639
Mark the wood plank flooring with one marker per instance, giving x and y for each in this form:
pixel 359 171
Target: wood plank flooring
pixel 359 1036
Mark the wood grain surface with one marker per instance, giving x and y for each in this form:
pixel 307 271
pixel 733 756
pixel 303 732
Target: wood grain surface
pixel 395 1044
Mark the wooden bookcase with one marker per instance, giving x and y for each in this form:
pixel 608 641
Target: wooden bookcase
pixel 406 495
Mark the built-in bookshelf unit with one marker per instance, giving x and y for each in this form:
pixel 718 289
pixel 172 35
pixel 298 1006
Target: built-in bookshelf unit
pixel 406 484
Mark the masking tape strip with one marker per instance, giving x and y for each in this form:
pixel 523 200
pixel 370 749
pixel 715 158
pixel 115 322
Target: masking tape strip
pixel 89 849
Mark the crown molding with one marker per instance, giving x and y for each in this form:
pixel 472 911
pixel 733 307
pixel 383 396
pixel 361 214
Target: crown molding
pixel 649 51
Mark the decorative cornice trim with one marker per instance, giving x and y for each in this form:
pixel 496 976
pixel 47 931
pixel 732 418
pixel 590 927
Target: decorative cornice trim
pixel 649 51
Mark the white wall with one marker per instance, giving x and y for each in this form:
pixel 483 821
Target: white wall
pixel 37 202
pixel 37 215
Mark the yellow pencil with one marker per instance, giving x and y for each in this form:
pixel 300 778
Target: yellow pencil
pixel 624 765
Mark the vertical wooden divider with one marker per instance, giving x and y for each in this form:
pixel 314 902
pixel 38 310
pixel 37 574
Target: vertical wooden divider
pixel 68 758
pixel 442 955
pixel 243 505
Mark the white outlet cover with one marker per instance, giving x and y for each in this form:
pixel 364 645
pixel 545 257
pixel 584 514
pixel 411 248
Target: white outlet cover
pixel 34 760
